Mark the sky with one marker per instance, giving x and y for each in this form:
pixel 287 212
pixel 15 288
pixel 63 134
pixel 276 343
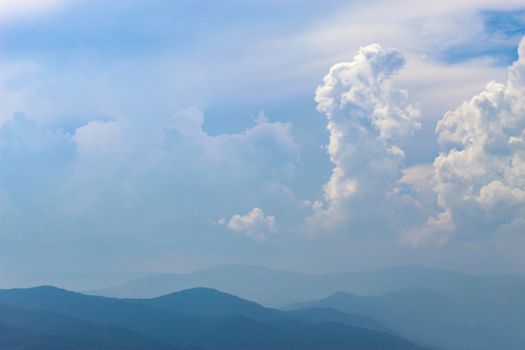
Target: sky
pixel 304 135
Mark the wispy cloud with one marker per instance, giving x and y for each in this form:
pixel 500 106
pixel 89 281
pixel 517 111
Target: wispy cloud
pixel 11 10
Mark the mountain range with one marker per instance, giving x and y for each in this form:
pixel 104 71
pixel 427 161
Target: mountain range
pixel 434 307
pixel 384 309
pixel 49 318
pixel 276 288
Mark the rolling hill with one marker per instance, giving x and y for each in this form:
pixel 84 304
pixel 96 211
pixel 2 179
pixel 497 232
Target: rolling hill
pixel 27 329
pixel 199 318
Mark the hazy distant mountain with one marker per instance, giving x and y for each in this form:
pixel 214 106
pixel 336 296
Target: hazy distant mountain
pixel 77 280
pixel 201 318
pixel 281 288
pixel 263 285
pixel 433 318
pixel 322 315
pixel 91 280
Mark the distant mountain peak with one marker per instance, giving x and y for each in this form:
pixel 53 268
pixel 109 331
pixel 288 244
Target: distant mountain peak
pixel 341 294
pixel 198 292
pixel 42 288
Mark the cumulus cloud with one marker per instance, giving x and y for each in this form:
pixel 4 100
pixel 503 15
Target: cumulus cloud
pixel 169 174
pixel 367 117
pixel 480 174
pixel 255 224
pixel 98 137
pixel 267 149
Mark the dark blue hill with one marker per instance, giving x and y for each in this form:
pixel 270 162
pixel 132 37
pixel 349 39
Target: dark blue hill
pixel 206 319
pixel 28 329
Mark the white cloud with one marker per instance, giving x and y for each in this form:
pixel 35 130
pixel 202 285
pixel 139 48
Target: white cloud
pixel 100 138
pixel 480 174
pixel 175 168
pixel 13 9
pixel 255 224
pixel 160 170
pixel 435 230
pixel 418 176
pixel 267 148
pixel 367 118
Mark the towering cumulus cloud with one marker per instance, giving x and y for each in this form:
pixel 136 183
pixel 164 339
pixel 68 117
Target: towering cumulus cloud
pixel 367 119
pixel 480 173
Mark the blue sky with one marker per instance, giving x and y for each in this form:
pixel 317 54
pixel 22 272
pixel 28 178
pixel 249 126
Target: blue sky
pixel 173 135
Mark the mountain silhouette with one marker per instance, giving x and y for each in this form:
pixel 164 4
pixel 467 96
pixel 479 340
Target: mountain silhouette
pixel 201 318
pixel 277 288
